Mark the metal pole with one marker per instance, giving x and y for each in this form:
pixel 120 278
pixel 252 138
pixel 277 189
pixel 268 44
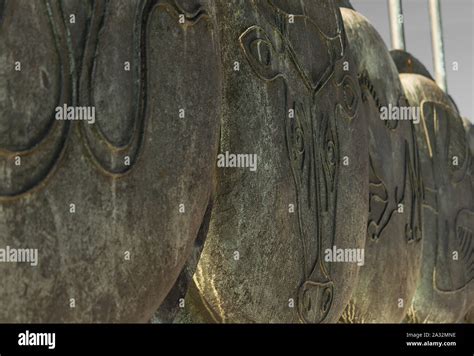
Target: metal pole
pixel 397 31
pixel 438 45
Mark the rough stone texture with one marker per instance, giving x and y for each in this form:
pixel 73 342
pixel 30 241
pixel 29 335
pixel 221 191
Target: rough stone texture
pixel 118 207
pixel 250 79
pixel 285 66
pixel 388 280
pixel 446 289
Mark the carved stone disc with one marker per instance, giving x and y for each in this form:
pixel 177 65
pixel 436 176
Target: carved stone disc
pixel 291 97
pixel 388 279
pixel 113 206
pixel 445 292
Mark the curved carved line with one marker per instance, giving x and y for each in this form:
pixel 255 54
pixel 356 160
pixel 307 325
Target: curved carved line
pixel 447 291
pixel 57 133
pixel 308 286
pixel 348 82
pixel 465 239
pixel 280 28
pixel 301 154
pixel 438 253
pixel 329 133
pixel 98 146
pixel 292 126
pixel 245 40
pixel 191 18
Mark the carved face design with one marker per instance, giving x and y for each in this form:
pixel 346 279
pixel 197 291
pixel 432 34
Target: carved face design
pixel 289 45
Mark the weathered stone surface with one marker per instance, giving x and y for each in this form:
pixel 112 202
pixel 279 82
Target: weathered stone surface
pixel 123 210
pixel 281 252
pixel 76 15
pixel 446 289
pixel 388 280
pixel 127 173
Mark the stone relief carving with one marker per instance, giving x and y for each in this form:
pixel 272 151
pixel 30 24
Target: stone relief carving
pixel 395 184
pixel 105 200
pixel 310 123
pixel 130 212
pixel 446 274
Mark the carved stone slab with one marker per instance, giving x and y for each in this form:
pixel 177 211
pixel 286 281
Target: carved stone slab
pixel 446 289
pixel 388 279
pixel 113 206
pixel 291 97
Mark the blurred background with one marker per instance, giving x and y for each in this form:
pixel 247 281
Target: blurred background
pixel 457 17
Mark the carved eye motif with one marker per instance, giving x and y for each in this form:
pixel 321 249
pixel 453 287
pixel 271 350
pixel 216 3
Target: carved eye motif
pixel 329 158
pixel 350 101
pixel 330 153
pixel 299 141
pixel 261 50
pixel 296 137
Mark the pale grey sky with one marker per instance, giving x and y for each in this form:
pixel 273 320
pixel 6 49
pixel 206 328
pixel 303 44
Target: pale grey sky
pixel 457 17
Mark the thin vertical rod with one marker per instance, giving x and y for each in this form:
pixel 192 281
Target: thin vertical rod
pixel 438 45
pixel 397 31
